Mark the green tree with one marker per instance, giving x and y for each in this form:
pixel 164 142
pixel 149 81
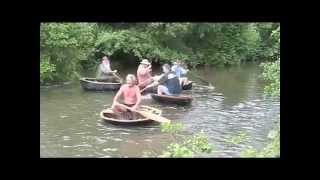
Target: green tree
pixel 271 73
pixel 73 46
pixel 64 45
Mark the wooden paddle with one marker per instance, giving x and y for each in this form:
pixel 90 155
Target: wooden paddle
pixel 148 115
pixel 152 85
pixel 119 78
pixel 145 82
pixel 201 79
pixel 192 74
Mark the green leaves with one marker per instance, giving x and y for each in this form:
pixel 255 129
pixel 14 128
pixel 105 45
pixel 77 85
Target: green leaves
pixel 46 68
pixel 171 127
pixel 191 146
pixel 271 73
pixel 237 139
pixel 271 150
pixel 65 44
pixel 196 43
pixel 177 151
pixel 199 143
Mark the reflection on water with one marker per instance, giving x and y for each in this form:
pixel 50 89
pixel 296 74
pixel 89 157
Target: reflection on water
pixel 70 125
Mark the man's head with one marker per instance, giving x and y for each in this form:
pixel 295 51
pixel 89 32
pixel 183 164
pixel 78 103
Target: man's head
pixel 179 62
pixel 131 79
pixel 105 59
pixel 166 68
pixel 145 63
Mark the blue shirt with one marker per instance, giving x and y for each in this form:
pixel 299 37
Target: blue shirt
pixel 178 70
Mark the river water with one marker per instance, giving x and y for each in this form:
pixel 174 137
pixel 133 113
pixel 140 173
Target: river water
pixel 70 125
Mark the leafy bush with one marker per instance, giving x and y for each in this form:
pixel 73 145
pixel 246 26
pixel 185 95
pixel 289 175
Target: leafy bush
pixel 73 46
pixel 190 146
pixel 271 73
pixel 177 151
pixel 46 69
pixel 65 44
pixel 171 127
pixel 199 143
pixel 236 139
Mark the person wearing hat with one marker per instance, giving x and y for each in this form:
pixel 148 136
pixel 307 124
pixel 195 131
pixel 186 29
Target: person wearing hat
pixel 144 74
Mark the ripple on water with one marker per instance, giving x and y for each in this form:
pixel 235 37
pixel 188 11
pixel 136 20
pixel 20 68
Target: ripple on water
pixel 66 138
pixel 208 112
pixel 99 140
pixel 116 139
pixel 124 133
pixel 110 149
pixel 251 103
pixel 130 141
pixel 80 145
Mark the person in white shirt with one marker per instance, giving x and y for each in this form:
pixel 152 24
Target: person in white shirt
pixel 180 71
pixel 104 70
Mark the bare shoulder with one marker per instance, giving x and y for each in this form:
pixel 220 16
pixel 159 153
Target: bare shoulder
pixel 123 86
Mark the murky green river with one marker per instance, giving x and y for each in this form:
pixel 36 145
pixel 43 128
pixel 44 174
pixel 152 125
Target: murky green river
pixel 70 125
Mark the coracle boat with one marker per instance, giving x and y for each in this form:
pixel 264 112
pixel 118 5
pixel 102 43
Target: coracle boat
pixel 173 99
pixel 154 88
pixel 128 118
pixel 93 84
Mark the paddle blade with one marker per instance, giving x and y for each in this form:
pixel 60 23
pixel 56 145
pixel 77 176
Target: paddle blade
pixel 154 117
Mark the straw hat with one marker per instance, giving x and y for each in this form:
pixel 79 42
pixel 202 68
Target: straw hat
pixel 145 61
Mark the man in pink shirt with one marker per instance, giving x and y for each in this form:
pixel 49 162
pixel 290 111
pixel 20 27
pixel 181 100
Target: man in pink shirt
pixel 144 74
pixel 130 93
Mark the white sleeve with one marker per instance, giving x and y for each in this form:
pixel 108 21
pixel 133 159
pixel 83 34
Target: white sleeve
pixel 183 71
pixel 102 68
pixel 105 68
pixel 173 68
pixel 108 67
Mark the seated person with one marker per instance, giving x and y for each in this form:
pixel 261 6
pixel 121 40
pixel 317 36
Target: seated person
pixel 168 82
pixel 144 74
pixel 104 72
pixel 131 94
pixel 180 71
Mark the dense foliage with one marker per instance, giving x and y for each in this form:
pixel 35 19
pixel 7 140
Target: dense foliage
pixel 63 46
pixel 271 70
pixel 70 47
pixel 182 146
pixel 271 73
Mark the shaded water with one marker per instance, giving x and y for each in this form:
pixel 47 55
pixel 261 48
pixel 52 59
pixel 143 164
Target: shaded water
pixel 70 125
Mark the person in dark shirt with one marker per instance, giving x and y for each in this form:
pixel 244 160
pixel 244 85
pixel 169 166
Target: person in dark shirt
pixel 169 83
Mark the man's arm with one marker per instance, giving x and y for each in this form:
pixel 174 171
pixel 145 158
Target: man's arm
pixel 138 94
pixel 115 99
pixel 163 78
pixel 144 71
